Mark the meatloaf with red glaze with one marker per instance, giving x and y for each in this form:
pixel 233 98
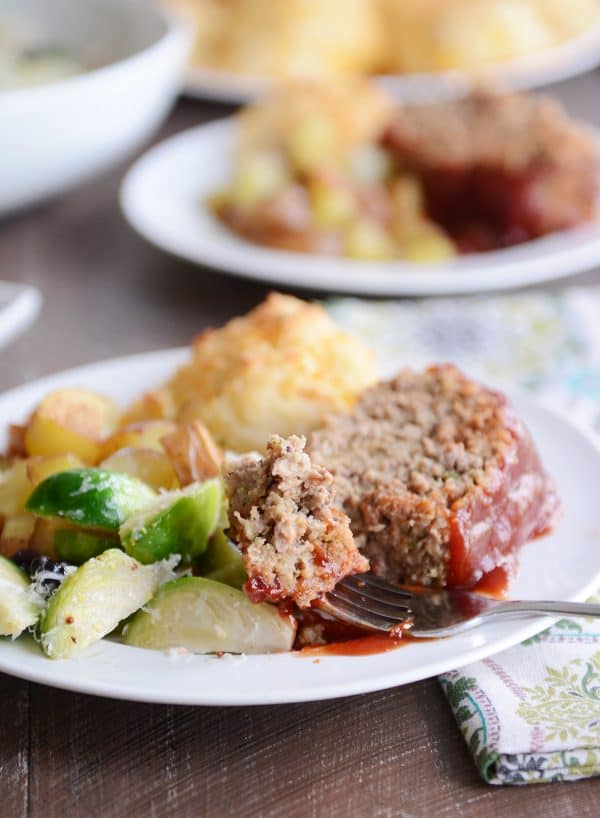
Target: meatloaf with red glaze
pixel 296 543
pixel 498 170
pixel 440 478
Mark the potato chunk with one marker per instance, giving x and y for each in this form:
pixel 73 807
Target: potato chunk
pixel 193 452
pixel 38 468
pixel 141 435
pixel 155 405
pixel 16 534
pixel 148 465
pixel 71 421
pixel 15 488
pixel 42 539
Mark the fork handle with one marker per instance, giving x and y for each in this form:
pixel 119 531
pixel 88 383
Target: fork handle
pixel 542 607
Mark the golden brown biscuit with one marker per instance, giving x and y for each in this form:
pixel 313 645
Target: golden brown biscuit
pixel 278 370
pixel 293 38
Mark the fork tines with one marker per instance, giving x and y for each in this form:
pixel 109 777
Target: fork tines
pixel 366 601
pixel 368 582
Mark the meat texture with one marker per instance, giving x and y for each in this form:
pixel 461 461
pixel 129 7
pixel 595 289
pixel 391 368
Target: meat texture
pixel 440 478
pixel 296 543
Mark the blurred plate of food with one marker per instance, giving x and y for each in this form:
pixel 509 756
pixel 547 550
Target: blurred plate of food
pixel 420 48
pixel 341 189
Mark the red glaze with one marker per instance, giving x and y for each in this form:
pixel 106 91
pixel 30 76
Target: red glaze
pixel 323 562
pixel 483 208
pixel 494 583
pixel 345 640
pixel 362 646
pixel 331 630
pixel 257 590
pixel 486 530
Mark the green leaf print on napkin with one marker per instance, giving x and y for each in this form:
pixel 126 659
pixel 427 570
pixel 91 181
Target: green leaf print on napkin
pixel 471 721
pixel 570 626
pixel 567 706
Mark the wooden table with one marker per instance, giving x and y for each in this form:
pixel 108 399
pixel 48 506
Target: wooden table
pixel 395 753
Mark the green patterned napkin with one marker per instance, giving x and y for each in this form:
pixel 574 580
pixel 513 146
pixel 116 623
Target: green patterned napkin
pixel 532 713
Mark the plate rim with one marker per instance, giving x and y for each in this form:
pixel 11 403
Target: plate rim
pixel 327 690
pixel 22 307
pixel 543 259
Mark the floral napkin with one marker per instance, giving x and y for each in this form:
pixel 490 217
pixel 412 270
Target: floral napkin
pixel 532 713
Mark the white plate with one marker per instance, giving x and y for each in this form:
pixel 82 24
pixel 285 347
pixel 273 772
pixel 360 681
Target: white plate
pixel 19 307
pixel 564 565
pixel 163 197
pixel 565 60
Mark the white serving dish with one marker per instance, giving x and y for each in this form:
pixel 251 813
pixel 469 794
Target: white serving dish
pixel 57 134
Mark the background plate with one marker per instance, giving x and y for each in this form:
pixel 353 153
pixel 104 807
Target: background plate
pixel 163 197
pixel 566 60
pixel 563 565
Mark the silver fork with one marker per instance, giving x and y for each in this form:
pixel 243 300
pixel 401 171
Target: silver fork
pixel 376 605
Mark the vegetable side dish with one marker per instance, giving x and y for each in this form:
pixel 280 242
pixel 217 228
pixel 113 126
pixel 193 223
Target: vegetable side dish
pixel 159 524
pixel 344 172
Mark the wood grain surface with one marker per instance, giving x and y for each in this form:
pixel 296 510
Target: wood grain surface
pixel 392 754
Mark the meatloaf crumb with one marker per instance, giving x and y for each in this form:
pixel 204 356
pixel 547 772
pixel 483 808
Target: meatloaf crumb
pixel 296 544
pixel 440 478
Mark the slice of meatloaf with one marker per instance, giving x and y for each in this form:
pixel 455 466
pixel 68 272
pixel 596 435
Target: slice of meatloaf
pixel 499 169
pixel 440 478
pixel 296 544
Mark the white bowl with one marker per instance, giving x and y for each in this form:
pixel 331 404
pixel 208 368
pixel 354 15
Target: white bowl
pixel 57 134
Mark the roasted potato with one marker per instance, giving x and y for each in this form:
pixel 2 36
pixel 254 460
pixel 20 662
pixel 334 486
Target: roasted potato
pixel 38 468
pixel 15 488
pixel 16 441
pixel 71 421
pixel 149 465
pixel 42 539
pixel 193 453
pixel 16 534
pixel 142 435
pixel 155 405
